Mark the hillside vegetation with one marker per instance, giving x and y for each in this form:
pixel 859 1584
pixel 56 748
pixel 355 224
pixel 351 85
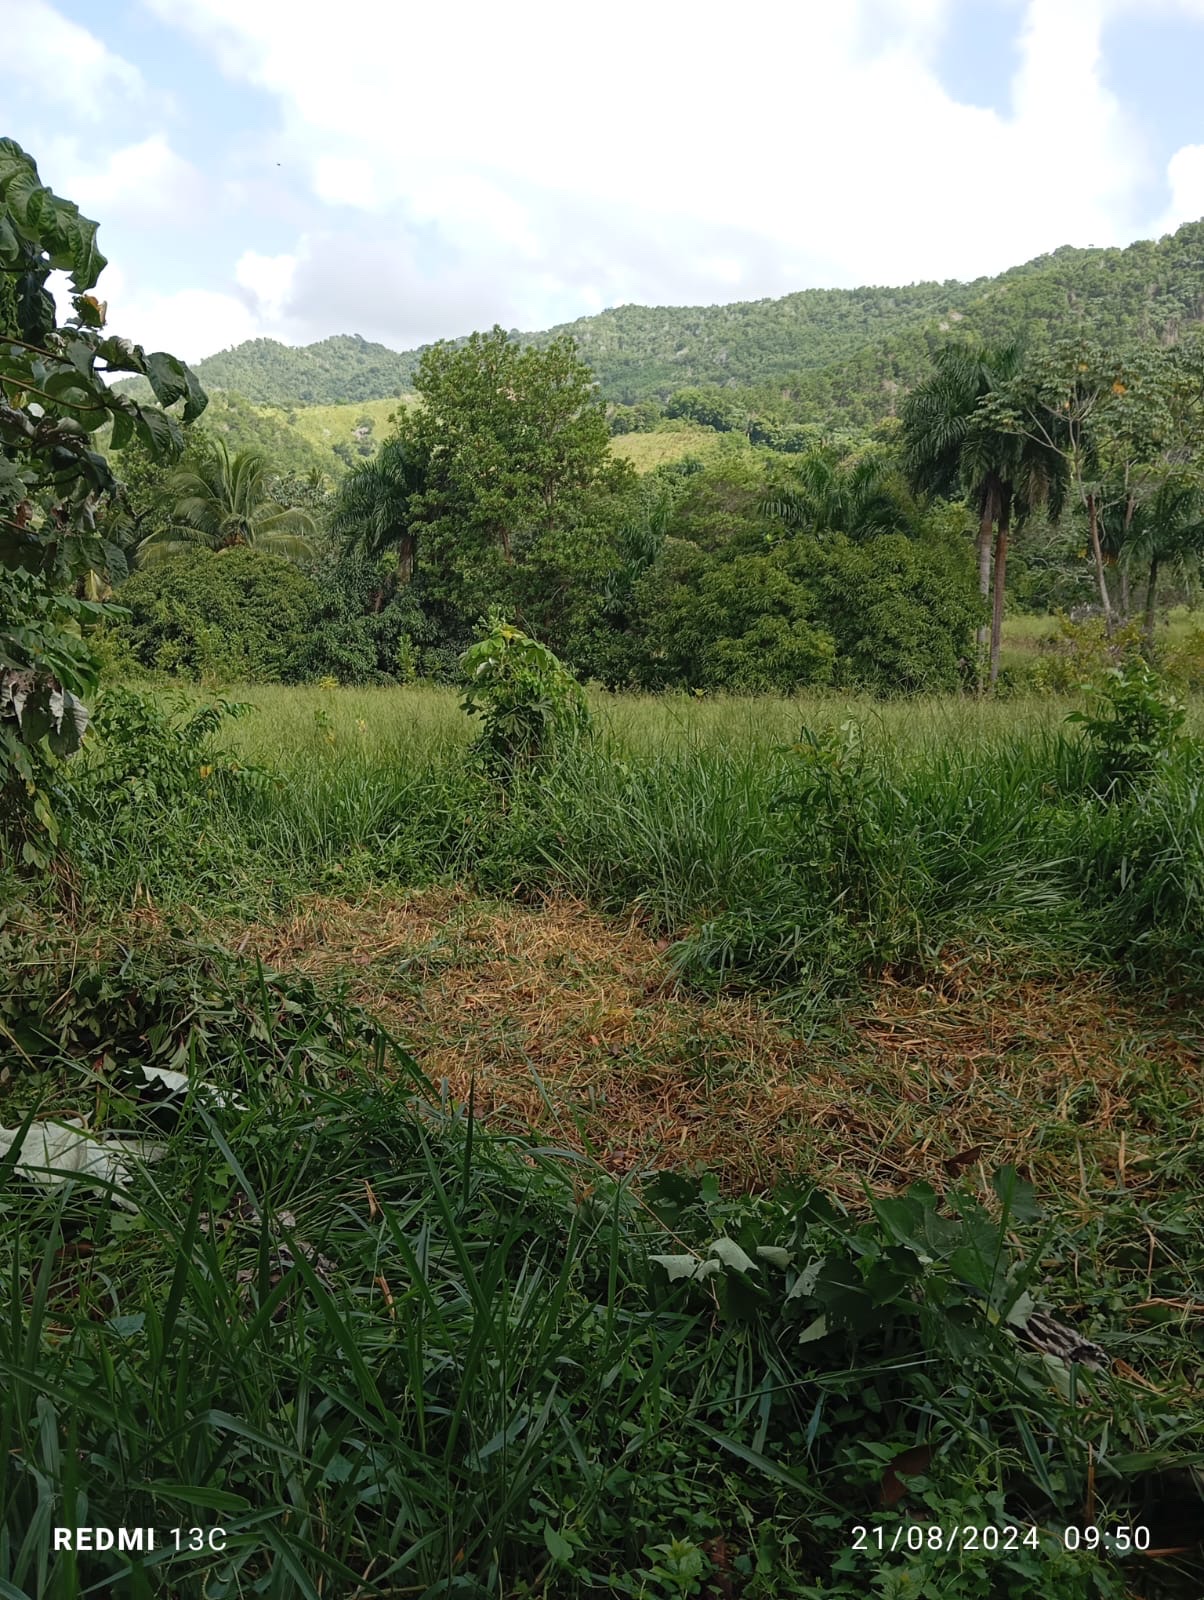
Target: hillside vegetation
pixel 828 356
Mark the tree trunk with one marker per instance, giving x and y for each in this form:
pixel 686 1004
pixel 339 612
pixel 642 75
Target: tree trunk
pixel 1001 569
pixel 1151 599
pixel 1126 603
pixel 986 523
pixel 1098 553
pixel 405 558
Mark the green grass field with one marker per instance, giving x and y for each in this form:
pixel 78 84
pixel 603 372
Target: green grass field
pixel 648 450
pixel 627 1179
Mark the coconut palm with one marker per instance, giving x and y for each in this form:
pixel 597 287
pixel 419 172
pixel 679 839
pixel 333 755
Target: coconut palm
pixel 372 511
pixel 226 500
pixel 953 444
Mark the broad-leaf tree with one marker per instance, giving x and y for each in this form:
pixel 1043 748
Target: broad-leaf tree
pixel 225 500
pixel 514 451
pixel 53 479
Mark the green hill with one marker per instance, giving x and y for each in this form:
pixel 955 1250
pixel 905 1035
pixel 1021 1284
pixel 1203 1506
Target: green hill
pixel 832 358
pixel 344 368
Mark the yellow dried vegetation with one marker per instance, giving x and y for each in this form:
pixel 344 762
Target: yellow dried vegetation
pixel 570 1026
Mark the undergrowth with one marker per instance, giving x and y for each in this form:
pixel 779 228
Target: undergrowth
pixel 387 1352
pixel 805 866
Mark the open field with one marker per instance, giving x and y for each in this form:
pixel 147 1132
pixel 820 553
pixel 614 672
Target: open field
pixel 648 450
pixel 760 1066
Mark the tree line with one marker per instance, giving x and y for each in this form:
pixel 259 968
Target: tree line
pixel 882 565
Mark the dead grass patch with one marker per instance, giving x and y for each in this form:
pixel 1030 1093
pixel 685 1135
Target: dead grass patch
pixel 571 1026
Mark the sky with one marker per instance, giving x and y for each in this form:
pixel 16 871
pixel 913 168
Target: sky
pixel 410 173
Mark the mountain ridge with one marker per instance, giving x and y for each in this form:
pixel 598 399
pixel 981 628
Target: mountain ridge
pixel 820 353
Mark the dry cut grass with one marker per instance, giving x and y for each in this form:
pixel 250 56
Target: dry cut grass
pixel 571 1026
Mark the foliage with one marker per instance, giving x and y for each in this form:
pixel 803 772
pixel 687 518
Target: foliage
pixel 372 509
pixel 53 399
pixel 1080 652
pixel 513 455
pixel 901 613
pixel 528 703
pixel 370 628
pixel 236 614
pixel 889 613
pixel 224 500
pixel 861 495
pixel 241 426
pixel 1136 727
pixel 958 437
pixel 819 360
pixel 153 753
pixel 732 620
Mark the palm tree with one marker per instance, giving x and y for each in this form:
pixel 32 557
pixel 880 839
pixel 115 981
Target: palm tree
pixel 1167 527
pixel 860 495
pixel 953 445
pixel 226 500
pixel 372 511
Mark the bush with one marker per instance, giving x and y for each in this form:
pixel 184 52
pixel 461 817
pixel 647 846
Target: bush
pixel 234 615
pixel 902 614
pixel 1136 729
pixel 527 700
pixel 729 621
pixel 1079 652
pixel 369 628
pixel 1184 663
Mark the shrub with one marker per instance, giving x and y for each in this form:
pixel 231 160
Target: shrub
pixel 151 750
pixel 1136 728
pixel 737 621
pixel 1079 652
pixel 235 614
pixel 902 614
pixel 526 698
pixel 369 628
pixel 1184 663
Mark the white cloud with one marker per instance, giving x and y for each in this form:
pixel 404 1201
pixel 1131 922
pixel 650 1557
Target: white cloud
pixel 144 183
pixel 62 62
pixel 525 162
pixel 269 283
pixel 1185 175
pixel 191 323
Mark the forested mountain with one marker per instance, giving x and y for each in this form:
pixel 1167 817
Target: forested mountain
pixel 820 356
pixel 341 368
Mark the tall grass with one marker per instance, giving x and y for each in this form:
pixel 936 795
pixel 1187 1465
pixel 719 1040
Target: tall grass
pixel 792 852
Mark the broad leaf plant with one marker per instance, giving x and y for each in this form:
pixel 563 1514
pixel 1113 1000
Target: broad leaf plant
pixel 55 401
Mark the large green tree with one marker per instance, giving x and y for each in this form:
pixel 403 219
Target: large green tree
pixel 1128 426
pixel 224 500
pixel 54 398
pixel 513 450
pixel 954 443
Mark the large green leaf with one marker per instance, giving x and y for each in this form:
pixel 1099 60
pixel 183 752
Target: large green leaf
pixel 168 376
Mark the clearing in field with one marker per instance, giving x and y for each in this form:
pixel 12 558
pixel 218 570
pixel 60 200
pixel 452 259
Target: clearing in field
pixel 562 1022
